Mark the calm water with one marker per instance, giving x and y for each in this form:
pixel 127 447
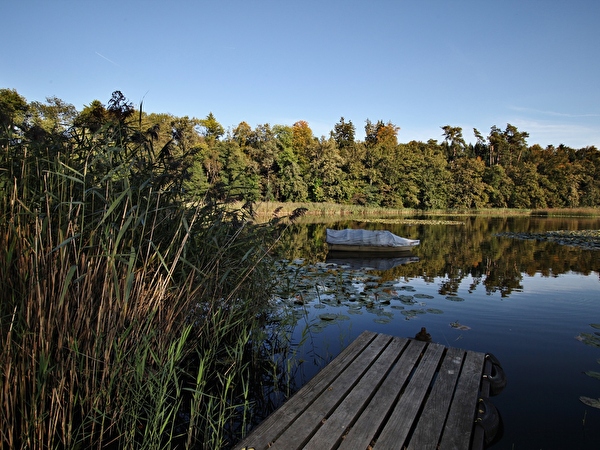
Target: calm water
pixel 522 300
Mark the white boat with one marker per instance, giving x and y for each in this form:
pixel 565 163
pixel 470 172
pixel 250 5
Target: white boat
pixel 379 241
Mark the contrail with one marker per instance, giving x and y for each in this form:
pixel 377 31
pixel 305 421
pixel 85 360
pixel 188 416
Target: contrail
pixel 102 56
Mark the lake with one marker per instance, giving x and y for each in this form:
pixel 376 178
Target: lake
pixel 534 304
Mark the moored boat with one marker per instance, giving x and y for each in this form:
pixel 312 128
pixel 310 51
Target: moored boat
pixel 378 241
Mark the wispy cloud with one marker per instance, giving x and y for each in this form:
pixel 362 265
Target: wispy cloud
pixel 572 135
pixel 109 60
pixel 550 113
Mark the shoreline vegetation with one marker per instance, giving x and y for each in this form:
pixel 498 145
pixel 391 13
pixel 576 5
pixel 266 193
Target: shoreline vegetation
pixel 265 211
pixel 135 284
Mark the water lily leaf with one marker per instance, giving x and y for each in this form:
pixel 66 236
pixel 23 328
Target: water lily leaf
pixel 593 374
pixel 318 327
pixel 406 288
pixel 455 299
pixel 589 339
pixel 593 402
pixel 406 299
pixel 382 320
pixel 423 296
pixel 435 311
pixel 328 316
pixel 595 325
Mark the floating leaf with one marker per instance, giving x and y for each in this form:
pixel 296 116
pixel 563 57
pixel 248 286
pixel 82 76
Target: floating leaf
pixel 593 374
pixel 423 296
pixel 455 299
pixel 595 325
pixel 406 288
pixel 328 316
pixel 407 299
pixel 382 320
pixel 318 327
pixel 593 402
pixel 435 311
pixel 589 339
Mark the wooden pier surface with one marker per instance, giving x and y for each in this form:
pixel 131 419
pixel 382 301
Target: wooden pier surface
pixel 385 392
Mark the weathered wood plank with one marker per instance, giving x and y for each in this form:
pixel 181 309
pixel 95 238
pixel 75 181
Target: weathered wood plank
pixel 461 418
pixel 384 391
pixel 405 412
pixel 429 429
pixel 346 413
pixel 302 429
pixel 363 431
pixel 274 425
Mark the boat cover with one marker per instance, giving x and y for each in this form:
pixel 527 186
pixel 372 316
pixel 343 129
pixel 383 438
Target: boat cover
pixel 379 238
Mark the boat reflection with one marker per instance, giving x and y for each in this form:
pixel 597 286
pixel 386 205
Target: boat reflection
pixel 370 261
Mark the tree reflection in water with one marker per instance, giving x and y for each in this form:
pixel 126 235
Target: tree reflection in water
pixel 472 247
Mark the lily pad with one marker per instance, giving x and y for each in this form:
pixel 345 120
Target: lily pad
pixel 411 313
pixel 406 288
pixel 434 311
pixel 423 296
pixel 595 325
pixel 407 299
pixel 455 299
pixel 593 402
pixel 459 326
pixel 328 316
pixel 382 320
pixel 589 339
pixel 593 374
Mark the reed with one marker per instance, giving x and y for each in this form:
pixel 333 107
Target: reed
pixel 125 316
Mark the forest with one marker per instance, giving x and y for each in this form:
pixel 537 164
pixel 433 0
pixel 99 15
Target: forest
pixel 288 163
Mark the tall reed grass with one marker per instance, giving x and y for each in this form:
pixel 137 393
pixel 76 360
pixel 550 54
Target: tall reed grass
pixel 126 318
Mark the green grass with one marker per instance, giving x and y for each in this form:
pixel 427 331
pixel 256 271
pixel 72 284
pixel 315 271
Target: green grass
pixel 264 210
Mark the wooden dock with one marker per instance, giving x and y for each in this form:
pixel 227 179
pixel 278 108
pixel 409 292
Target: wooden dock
pixel 385 392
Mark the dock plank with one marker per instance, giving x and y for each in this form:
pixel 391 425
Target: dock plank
pixel 373 417
pixel 430 426
pixel 383 392
pixel 405 412
pixel 273 426
pixel 459 424
pixel 334 428
pixel 298 433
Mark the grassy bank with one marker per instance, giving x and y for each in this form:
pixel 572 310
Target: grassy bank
pixel 265 210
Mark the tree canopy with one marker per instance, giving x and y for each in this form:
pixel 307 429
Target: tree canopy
pixel 283 162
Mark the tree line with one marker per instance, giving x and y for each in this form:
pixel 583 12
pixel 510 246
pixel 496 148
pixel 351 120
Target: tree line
pixel 288 163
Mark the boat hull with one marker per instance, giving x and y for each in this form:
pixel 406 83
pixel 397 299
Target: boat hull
pixel 370 248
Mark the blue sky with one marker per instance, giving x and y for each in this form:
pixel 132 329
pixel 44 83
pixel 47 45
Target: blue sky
pixel 420 64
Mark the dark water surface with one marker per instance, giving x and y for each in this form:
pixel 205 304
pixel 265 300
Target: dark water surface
pixel 525 301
